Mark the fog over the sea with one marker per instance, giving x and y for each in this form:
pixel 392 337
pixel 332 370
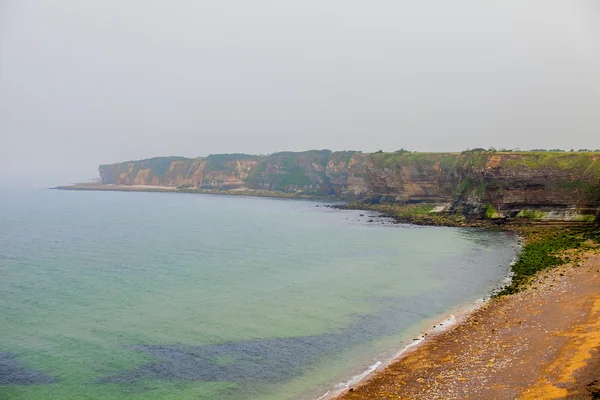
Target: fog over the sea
pixel 90 82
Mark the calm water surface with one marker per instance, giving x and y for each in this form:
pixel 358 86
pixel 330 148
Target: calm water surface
pixel 108 295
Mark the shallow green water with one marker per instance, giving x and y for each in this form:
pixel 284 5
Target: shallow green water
pixel 173 296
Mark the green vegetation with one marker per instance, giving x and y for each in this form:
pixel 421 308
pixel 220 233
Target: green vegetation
pixel 583 162
pixel 418 214
pixel 294 176
pixel 580 162
pixel 341 156
pixel 547 248
pixel 491 212
pixel 471 186
pixel 292 171
pixel 405 158
pixel 225 162
pixel 159 166
pixel 292 158
pixel 229 157
pixel 545 150
pixel 564 151
pixel 531 214
pixel 473 176
pixel 585 218
pixel 474 158
pixel 254 176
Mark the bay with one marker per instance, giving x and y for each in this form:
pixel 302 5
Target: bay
pixel 110 295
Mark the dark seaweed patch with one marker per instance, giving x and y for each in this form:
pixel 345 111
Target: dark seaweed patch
pixel 12 372
pixel 269 360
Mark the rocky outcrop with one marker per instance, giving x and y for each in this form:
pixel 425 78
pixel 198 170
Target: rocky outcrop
pixel 542 185
pixel 562 186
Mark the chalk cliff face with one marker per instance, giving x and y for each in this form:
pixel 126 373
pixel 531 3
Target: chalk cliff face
pixel 476 182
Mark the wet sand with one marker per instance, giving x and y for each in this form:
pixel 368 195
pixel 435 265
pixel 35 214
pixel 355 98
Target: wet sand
pixel 541 343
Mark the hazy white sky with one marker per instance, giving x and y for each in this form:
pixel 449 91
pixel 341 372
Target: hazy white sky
pixel 90 82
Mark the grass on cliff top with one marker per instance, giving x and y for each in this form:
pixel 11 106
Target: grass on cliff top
pixel 582 162
pixel 400 159
pixel 545 248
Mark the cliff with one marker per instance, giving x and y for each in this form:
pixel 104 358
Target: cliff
pixel 317 172
pixel 487 184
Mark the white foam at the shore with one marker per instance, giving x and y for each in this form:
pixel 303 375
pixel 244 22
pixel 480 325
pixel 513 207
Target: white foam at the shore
pixel 440 327
pixel 352 381
pixel 443 325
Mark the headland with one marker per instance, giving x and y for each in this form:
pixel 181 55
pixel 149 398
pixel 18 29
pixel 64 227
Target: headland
pixel 473 185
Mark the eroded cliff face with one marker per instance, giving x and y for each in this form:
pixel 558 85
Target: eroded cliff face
pixel 560 185
pixel 492 184
pixel 213 172
pixel 413 177
pixel 319 172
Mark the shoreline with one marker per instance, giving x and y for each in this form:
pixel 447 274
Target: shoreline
pixel 174 189
pixel 432 219
pixel 430 329
pixel 435 326
pixel 419 372
pixel 510 347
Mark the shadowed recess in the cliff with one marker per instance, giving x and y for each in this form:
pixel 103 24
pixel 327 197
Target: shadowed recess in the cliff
pixel 12 372
pixel 272 360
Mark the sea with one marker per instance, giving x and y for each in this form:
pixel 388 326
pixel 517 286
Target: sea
pixel 132 295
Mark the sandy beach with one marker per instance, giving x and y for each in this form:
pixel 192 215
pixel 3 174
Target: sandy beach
pixel 541 343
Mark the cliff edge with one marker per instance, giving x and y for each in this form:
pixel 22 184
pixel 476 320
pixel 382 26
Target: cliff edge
pixel 563 186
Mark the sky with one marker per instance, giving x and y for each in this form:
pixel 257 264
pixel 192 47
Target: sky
pixel 84 83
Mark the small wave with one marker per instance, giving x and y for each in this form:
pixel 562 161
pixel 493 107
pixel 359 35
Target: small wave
pixel 357 378
pixel 352 381
pixel 325 395
pixel 340 387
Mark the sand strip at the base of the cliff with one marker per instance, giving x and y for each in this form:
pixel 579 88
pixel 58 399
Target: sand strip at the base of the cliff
pixel 537 344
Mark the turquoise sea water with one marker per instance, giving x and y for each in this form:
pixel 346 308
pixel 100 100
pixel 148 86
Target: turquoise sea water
pixel 107 295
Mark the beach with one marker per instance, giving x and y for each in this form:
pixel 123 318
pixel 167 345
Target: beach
pixel 541 343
